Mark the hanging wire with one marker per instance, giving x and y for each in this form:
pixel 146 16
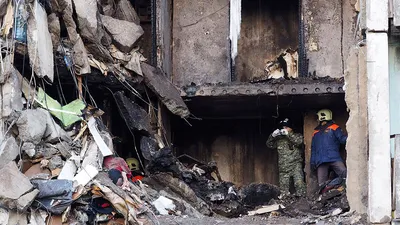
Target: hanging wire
pixel 126 122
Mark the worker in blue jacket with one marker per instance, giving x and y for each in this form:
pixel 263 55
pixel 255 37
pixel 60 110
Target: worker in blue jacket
pixel 326 141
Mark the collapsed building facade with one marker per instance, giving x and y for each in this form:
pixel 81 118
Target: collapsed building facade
pixel 201 81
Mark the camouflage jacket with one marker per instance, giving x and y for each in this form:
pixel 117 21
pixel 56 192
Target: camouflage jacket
pixel 288 147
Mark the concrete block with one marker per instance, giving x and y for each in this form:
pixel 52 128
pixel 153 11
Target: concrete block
pixel 124 33
pixel 13 185
pixel 86 11
pixel 379 165
pixel 26 200
pixel 165 90
pixel 40 47
pixel 9 151
pixel 54 133
pixel 32 125
pixel 377 15
pixel 125 11
pixel 55 162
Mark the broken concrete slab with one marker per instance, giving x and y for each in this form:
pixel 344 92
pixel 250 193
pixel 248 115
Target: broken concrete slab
pixel 64 148
pixel 134 115
pixel 165 90
pixel 124 34
pixel 40 47
pixel 92 156
pixel 11 98
pixel 134 63
pixel 17 218
pixel 148 146
pixel 26 200
pixel 31 125
pixel 3 7
pixel 54 133
pixel 81 59
pixel 125 11
pixel 9 151
pixel 55 162
pixel 54 29
pixel 87 15
pixel 13 185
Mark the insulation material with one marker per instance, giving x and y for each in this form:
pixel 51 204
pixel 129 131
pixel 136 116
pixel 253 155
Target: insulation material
pixel 68 114
pixel 40 47
pixel 235 20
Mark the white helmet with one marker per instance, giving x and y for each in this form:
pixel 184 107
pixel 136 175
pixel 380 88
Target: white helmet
pixel 324 115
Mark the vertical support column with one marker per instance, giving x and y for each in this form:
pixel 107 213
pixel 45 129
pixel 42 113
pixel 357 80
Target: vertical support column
pixel 379 128
pixel 396 183
pixel 235 18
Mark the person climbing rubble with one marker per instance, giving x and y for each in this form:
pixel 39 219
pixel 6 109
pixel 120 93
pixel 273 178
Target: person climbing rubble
pixel 325 147
pixel 288 143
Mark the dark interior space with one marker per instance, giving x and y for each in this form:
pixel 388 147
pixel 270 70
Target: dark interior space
pixel 233 131
pixel 267 29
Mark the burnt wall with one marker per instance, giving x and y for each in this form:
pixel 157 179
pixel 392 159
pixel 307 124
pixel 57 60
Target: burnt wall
pixel 329 33
pixel 238 146
pixel 267 29
pixel 200 42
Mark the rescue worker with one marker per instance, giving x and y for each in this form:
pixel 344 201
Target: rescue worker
pixel 325 147
pixel 290 161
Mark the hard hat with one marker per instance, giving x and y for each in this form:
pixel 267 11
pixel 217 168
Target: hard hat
pixel 285 123
pixel 324 115
pixel 133 164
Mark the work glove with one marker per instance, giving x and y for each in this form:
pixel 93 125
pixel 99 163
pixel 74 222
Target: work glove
pixel 276 133
pixel 284 132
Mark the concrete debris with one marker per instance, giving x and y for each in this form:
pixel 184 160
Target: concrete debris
pixel 92 156
pixel 29 149
pixel 88 23
pixel 125 11
pixel 8 20
pixel 3 7
pixel 11 93
pixel 13 186
pixel 17 218
pixel 9 151
pixel 164 205
pixel 54 133
pixel 148 146
pixel 40 47
pixel 54 29
pixel 134 63
pixel 165 90
pixel 81 58
pixel 124 34
pixel 32 125
pixel 55 162
pixel 135 117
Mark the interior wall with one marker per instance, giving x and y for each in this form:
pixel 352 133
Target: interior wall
pixel 329 31
pixel 200 42
pixel 340 116
pixel 267 29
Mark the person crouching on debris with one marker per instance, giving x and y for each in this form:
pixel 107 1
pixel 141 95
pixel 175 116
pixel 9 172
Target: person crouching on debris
pixel 118 171
pixel 290 161
pixel 325 147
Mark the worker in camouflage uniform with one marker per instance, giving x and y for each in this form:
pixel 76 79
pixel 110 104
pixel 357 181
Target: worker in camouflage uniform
pixel 290 164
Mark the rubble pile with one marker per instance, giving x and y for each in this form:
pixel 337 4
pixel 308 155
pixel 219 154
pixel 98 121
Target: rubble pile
pixel 56 160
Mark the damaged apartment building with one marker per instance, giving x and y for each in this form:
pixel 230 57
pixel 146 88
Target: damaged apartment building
pixel 190 92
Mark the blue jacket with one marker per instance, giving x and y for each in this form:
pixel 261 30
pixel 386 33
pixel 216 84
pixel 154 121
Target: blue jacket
pixel 326 144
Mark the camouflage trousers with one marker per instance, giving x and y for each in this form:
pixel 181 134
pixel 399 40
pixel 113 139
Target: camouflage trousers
pixel 294 171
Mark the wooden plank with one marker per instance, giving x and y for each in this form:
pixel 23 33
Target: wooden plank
pixel 396 183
